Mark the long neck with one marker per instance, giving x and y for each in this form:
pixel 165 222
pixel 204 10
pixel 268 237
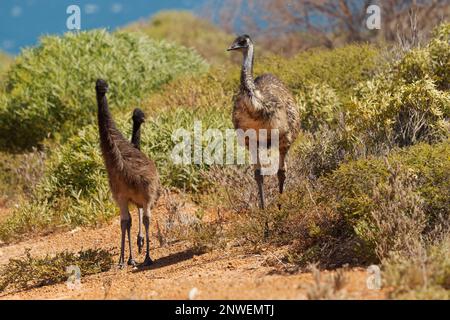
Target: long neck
pixel 247 82
pixel 136 137
pixel 105 122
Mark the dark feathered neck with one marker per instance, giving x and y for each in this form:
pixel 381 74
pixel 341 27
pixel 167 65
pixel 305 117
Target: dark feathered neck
pixel 105 122
pixel 247 82
pixel 136 136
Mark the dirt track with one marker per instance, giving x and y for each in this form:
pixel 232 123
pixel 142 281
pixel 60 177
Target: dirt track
pixel 229 274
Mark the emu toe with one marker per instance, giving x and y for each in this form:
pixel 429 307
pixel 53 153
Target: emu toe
pixel 131 262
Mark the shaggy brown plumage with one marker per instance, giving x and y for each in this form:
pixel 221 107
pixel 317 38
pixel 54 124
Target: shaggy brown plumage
pixel 264 103
pixel 133 177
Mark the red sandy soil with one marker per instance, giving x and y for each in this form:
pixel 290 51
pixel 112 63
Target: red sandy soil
pixel 226 274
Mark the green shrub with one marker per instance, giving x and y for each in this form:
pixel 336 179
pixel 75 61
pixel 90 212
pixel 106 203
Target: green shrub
pixel 74 167
pixel 20 173
pixel 319 105
pixel 431 61
pixel 352 185
pixel 159 145
pixel 39 215
pixel 74 189
pixel 186 29
pixel 405 103
pixel 5 62
pixel 439 48
pixel 340 69
pixel 214 89
pixel 397 221
pixel 385 114
pixel 321 152
pixel 423 274
pixel 413 66
pixel 49 89
pixel 364 211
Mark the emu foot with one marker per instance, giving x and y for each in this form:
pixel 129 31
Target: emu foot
pixel 140 243
pixel 131 262
pixel 147 262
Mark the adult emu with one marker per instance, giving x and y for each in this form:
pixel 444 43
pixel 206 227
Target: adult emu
pixel 132 176
pixel 138 119
pixel 264 103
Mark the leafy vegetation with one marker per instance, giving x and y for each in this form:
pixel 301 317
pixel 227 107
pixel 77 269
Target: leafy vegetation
pixel 30 272
pixel 368 179
pixel 365 177
pixel 341 69
pixel 5 62
pixel 49 88
pixel 209 40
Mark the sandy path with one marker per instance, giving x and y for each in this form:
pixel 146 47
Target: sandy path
pixel 217 275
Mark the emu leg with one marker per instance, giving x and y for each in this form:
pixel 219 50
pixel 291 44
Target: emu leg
pixel 131 261
pixel 146 219
pixel 123 228
pixel 124 222
pixel 281 174
pixel 259 181
pixel 140 237
pixel 281 178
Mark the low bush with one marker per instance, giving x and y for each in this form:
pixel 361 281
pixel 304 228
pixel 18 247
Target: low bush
pixel 439 48
pixel 206 38
pixel 5 62
pixel 353 184
pixel 423 272
pixel 340 69
pixel 431 61
pixel 319 107
pixel 20 173
pixel 74 188
pixel 30 272
pixel 214 89
pixel 358 214
pixel 385 114
pixel 49 89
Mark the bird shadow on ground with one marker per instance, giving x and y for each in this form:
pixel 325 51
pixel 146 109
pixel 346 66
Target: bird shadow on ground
pixel 171 259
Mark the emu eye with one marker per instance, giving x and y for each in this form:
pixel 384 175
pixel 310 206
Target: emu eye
pixel 243 43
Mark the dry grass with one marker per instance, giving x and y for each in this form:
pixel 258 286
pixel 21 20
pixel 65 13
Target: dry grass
pixel 20 173
pixel 398 217
pixel 174 224
pixel 29 272
pixel 330 288
pixel 422 273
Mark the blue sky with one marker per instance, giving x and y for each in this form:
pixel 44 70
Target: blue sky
pixel 22 22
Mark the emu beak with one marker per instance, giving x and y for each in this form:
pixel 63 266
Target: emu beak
pixel 233 47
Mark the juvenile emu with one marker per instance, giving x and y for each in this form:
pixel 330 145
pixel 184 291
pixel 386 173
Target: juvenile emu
pixel 132 176
pixel 138 119
pixel 264 103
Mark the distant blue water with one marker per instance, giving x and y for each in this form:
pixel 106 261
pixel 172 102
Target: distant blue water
pixel 22 22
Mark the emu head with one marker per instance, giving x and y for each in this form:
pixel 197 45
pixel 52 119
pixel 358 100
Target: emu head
pixel 241 43
pixel 101 87
pixel 138 116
